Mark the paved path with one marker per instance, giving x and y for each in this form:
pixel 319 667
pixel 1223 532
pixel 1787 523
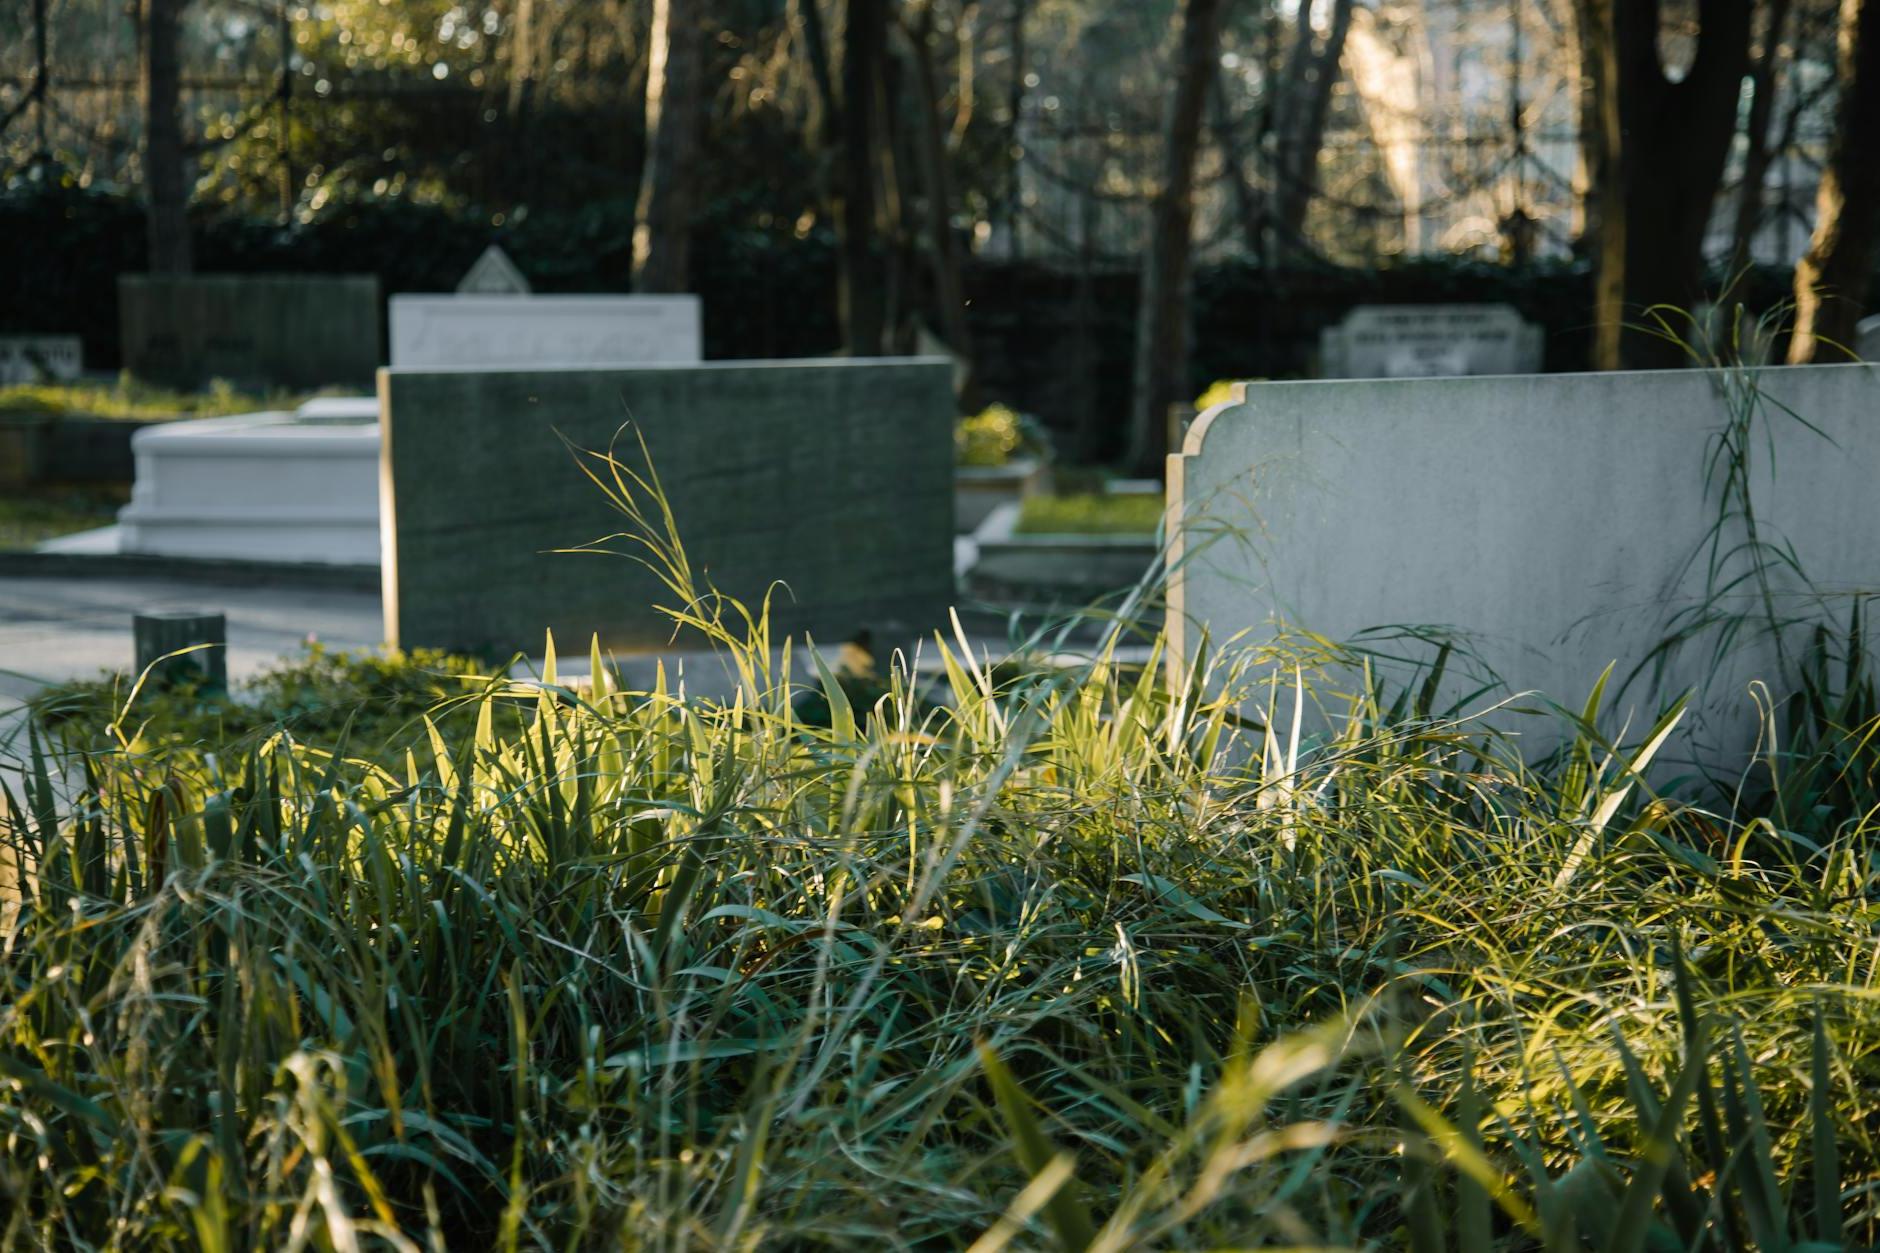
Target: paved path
pixel 54 629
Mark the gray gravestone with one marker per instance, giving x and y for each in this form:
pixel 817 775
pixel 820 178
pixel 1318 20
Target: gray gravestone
pixel 835 477
pixel 1551 520
pixel 494 274
pixel 40 358
pixel 257 330
pixel 1429 341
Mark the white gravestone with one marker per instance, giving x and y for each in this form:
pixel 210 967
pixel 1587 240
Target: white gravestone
pixel 33 358
pixel 1867 338
pixel 494 274
pixel 468 332
pixel 1549 520
pixel 1429 341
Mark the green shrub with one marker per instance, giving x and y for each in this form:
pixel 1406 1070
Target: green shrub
pixel 998 435
pixel 131 398
pixel 990 437
pixel 377 700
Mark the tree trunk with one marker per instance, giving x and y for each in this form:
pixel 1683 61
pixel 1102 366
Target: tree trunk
pixel 1162 320
pixel 862 295
pixel 1014 111
pixel 1832 280
pixel 1757 151
pixel 663 221
pixel 1604 237
pixel 165 187
pixel 1311 75
pixel 1248 205
pixel 1663 146
pixel 936 188
pixel 896 232
pixel 825 120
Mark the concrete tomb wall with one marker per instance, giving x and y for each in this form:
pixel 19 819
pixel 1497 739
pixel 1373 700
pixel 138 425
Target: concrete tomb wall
pixel 1429 341
pixel 834 477
pixel 533 332
pixel 1556 523
pixel 30 358
pixel 256 330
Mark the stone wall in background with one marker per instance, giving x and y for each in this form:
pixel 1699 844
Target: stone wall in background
pixel 1550 524
pixel 259 331
pixel 829 480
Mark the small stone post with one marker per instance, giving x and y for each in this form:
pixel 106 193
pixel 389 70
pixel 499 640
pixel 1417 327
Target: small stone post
pixel 162 632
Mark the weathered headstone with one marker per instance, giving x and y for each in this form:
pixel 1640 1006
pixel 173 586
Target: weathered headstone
pixel 40 358
pixel 494 274
pixel 1429 341
pixel 1551 521
pixel 256 330
pixel 824 484
pixel 526 332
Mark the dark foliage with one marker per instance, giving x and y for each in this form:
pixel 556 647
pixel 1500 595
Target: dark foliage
pixel 1048 339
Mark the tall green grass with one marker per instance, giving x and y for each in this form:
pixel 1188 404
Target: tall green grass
pixel 1026 955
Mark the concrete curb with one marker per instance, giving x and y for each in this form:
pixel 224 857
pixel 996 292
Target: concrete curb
pixel 37 565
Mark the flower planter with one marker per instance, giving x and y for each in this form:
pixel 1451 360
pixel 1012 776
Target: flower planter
pixel 978 490
pixel 1054 569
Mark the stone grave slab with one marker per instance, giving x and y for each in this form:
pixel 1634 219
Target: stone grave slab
pixel 257 487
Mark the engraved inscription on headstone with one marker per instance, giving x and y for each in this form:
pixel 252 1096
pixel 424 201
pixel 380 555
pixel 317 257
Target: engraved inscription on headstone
pixel 1429 341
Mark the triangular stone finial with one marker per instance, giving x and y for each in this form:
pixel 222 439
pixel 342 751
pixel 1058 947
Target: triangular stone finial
pixel 494 274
